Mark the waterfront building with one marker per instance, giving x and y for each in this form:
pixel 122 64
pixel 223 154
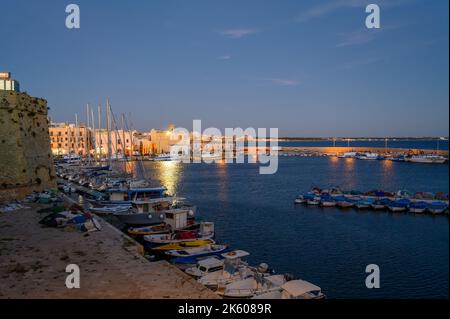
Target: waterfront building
pixel 162 140
pixel 68 138
pixel 8 84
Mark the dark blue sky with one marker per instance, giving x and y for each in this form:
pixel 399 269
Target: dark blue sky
pixel 310 68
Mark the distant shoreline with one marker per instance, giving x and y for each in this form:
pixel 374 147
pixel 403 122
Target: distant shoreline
pixel 314 139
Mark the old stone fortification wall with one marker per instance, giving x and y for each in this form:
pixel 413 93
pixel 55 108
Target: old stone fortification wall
pixel 26 162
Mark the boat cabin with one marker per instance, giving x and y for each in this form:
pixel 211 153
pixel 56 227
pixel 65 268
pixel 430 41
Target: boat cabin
pixel 300 289
pixel 176 218
pixel 129 194
pixel 232 261
pixel 151 205
pixel 210 265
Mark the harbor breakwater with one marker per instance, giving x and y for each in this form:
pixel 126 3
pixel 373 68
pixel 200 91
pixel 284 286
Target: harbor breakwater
pixel 337 150
pixel 26 163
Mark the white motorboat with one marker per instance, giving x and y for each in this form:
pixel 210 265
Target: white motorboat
pixel 313 201
pixel 234 269
pixel 368 156
pixel 294 289
pixel 348 155
pixel 253 285
pixel 427 159
pixel 205 266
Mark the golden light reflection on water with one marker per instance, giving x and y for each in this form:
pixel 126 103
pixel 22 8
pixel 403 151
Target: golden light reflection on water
pixel 223 176
pixel 130 167
pixel 168 172
pixel 386 171
pixel 349 176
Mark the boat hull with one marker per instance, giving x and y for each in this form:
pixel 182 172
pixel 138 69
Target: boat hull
pixel 141 219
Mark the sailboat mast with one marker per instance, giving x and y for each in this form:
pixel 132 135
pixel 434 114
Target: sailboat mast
pixel 93 132
pixel 99 132
pixel 108 124
pixel 77 132
pixel 88 130
pixel 123 134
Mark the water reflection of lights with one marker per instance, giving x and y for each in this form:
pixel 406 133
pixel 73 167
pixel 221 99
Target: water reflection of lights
pixel 168 172
pixel 386 170
pixel 333 160
pixel 130 167
pixel 223 180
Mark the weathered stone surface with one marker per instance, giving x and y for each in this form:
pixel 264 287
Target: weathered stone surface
pixel 25 158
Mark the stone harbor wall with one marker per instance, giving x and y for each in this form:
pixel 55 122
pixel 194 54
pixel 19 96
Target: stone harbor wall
pixel 26 162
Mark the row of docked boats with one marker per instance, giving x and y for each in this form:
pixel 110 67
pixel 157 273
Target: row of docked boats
pixel 423 158
pixel 167 227
pixel 394 202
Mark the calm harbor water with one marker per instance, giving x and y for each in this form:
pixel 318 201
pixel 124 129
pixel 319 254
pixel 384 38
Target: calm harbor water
pixel 408 144
pixel 328 247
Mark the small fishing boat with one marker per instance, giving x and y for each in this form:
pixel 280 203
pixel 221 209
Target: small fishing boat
pixel 234 269
pixel 205 231
pixel 418 207
pixel 300 200
pixel 201 251
pixel 153 211
pixel 399 205
pixel 205 266
pixel 368 156
pixel 380 204
pixel 185 244
pixel 162 228
pixel 293 289
pixel 437 207
pixel 399 158
pixel 364 203
pixel 108 210
pixel 327 201
pixel 343 202
pixel 311 199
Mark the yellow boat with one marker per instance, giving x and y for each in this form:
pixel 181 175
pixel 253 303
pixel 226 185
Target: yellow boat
pixel 185 244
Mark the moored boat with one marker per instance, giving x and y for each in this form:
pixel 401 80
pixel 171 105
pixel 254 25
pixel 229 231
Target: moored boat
pixel 427 159
pixel 380 204
pixel 437 207
pixel 182 245
pixel 205 266
pixel 418 207
pixel 399 205
pixel 293 289
pixel 201 251
pixel 343 202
